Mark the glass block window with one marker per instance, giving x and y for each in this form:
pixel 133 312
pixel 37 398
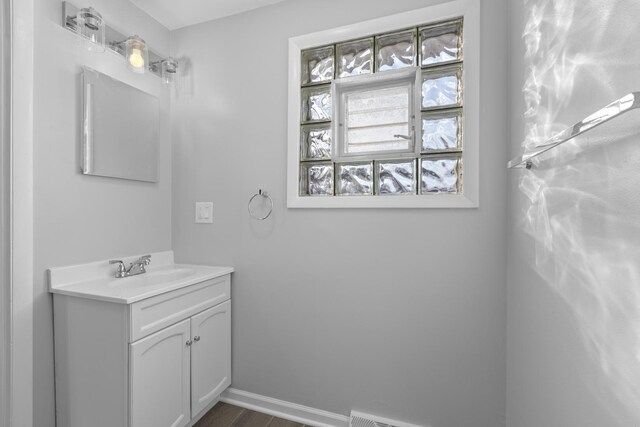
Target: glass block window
pixel 396 50
pixel 354 58
pixel 355 179
pixel 396 177
pixel 383 115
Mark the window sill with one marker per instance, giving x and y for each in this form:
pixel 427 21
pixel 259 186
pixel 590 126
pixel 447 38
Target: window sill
pixel 391 201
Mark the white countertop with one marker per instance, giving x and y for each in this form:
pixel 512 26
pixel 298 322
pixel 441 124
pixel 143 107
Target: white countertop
pixel 97 280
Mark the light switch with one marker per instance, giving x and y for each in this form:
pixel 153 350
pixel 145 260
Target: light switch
pixel 204 212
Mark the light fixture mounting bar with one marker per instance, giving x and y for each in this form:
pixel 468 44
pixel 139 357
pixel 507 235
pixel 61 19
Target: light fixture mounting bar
pixel 113 38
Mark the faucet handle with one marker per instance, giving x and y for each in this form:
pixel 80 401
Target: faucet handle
pixel 121 267
pixel 146 259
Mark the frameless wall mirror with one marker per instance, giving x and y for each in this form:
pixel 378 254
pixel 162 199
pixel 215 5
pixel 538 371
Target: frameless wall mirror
pixel 120 129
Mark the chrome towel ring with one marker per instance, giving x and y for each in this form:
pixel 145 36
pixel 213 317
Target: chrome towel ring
pixel 265 198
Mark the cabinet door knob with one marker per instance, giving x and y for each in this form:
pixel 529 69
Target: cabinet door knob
pixel 196 338
pixel 188 343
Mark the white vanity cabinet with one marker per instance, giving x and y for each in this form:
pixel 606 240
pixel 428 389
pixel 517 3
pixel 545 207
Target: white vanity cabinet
pixel 180 370
pixel 160 361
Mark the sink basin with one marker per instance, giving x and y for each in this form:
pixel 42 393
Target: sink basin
pixel 160 277
pixel 172 274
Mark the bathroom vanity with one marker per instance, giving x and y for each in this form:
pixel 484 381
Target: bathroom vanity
pixel 151 350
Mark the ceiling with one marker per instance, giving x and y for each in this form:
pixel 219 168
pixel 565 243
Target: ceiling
pixel 176 14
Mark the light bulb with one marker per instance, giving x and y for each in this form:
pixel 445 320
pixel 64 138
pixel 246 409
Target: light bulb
pixel 136 59
pixel 136 53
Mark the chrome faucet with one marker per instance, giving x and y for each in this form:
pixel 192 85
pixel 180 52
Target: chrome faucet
pixel 136 267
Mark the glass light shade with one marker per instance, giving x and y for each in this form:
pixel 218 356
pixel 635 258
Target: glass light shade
pixel 136 54
pixel 168 71
pixel 90 26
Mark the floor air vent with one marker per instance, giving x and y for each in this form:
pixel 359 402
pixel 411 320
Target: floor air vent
pixel 359 419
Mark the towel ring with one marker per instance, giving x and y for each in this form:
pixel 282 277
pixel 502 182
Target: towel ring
pixel 268 199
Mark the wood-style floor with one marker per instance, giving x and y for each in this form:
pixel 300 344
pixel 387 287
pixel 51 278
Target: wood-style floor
pixel 225 415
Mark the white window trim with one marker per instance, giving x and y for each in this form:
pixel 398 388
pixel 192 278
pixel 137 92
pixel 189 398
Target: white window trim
pixel 470 10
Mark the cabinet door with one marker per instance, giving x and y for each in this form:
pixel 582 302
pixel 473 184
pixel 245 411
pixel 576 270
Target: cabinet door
pixel 160 365
pixel 210 355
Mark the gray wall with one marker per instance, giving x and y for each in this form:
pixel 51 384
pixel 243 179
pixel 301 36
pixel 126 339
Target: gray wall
pixel 81 218
pixel 574 244
pixel 395 312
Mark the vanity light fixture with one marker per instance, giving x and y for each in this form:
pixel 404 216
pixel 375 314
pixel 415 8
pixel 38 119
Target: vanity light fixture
pixel 89 24
pixel 168 69
pixel 136 54
pixel 90 27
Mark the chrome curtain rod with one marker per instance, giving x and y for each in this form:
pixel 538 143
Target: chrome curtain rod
pixel 627 103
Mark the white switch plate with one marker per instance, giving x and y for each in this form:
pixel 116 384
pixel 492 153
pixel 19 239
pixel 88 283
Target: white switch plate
pixel 204 212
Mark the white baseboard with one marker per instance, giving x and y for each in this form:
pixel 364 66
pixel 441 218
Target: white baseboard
pixel 280 408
